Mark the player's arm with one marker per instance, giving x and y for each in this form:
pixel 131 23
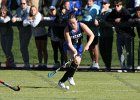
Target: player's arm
pixel 68 39
pixel 89 33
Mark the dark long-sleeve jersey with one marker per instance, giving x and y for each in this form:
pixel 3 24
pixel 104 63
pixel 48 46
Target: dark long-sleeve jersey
pixel 125 16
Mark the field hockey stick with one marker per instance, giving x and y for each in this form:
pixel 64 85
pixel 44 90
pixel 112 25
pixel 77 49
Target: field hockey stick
pixel 15 88
pixel 51 74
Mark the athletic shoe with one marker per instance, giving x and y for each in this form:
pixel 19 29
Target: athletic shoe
pixel 10 63
pixel 56 65
pixel 26 65
pixel 138 67
pixel 94 66
pixel 71 81
pixel 61 84
pixel 41 67
pixel 120 71
pixel 107 69
pixel 123 69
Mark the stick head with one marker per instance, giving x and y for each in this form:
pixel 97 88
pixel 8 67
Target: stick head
pixel 51 74
pixel 16 88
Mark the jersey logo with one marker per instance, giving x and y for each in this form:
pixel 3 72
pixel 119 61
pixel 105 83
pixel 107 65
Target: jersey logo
pixel 76 36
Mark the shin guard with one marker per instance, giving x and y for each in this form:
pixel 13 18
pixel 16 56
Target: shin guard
pixel 70 72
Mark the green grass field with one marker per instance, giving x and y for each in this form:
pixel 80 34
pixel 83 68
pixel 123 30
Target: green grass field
pixel 89 86
pixel 86 60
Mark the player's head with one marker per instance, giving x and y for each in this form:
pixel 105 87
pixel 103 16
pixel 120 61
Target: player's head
pixel 3 11
pixel 72 20
pixel 138 11
pixel 66 5
pixel 33 10
pixel 118 5
pixel 105 4
pixel 90 2
pixel 23 4
pixel 52 10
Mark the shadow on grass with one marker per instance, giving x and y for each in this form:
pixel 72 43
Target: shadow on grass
pixel 35 87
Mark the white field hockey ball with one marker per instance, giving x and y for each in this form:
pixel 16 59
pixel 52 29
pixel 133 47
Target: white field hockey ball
pixel 67 87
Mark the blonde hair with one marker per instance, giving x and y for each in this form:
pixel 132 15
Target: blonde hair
pixel 33 6
pixel 3 8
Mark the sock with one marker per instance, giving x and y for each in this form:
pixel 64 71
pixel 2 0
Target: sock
pixel 70 72
pixel 93 62
pixel 73 68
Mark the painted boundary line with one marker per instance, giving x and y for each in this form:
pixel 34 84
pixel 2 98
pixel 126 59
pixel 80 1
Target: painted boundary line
pixel 117 77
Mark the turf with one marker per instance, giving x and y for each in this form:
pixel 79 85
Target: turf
pixel 86 60
pixel 89 86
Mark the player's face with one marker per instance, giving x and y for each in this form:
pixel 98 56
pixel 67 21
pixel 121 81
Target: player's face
pixel 53 12
pixel 67 5
pixel 33 11
pixel 118 7
pixel 90 2
pixel 73 23
pixel 105 5
pixel 3 12
pixel 23 4
pixel 138 14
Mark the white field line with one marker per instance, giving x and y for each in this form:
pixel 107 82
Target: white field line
pixel 68 91
pixel 124 82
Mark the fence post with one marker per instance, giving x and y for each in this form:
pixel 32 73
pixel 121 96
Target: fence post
pixel 133 62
